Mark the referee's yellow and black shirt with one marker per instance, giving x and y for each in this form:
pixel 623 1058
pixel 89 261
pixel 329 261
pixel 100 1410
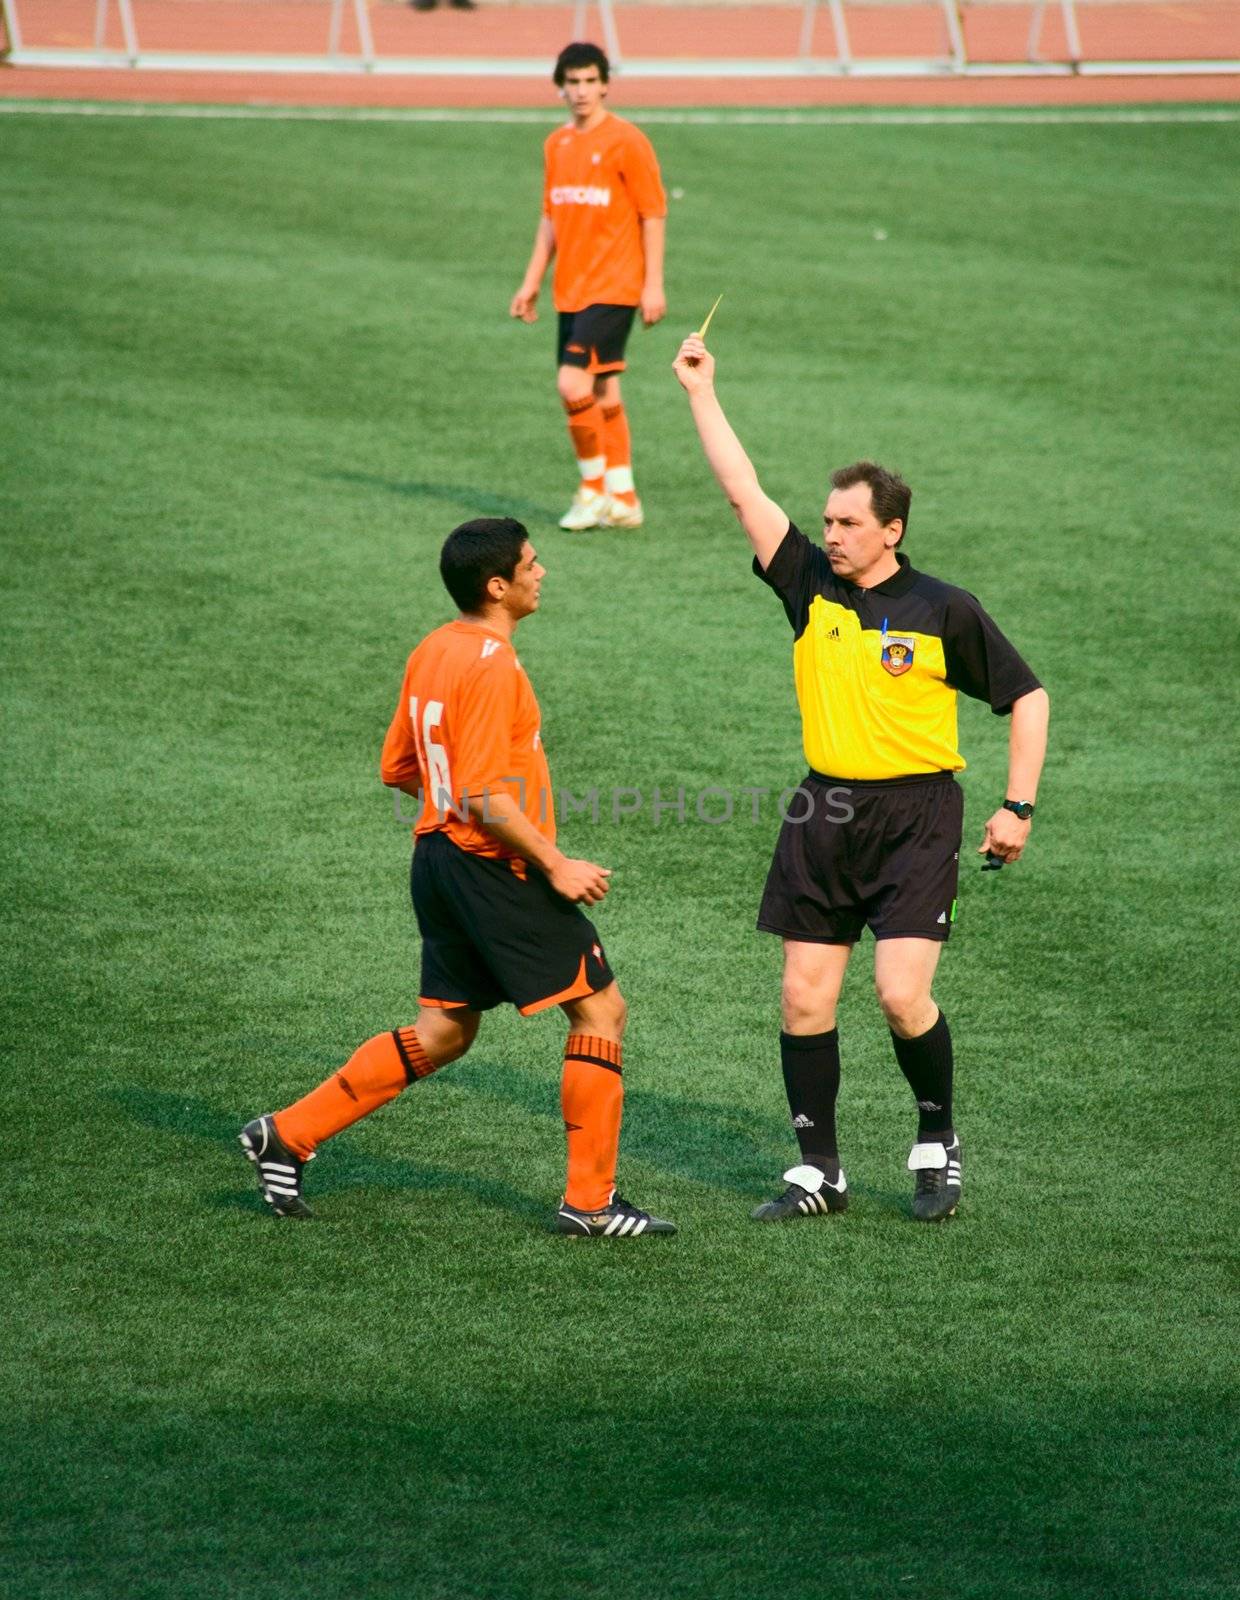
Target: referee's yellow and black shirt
pixel 878 670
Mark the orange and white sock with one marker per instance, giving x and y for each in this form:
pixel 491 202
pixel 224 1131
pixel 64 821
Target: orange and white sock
pixel 592 1099
pixel 585 427
pixel 617 448
pixel 374 1074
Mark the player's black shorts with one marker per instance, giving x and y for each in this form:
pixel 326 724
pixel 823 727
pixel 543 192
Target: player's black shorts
pixel 489 935
pixel 882 855
pixel 594 338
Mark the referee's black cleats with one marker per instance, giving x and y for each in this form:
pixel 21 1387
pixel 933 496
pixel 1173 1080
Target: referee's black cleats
pixel 936 1192
pixel 810 1193
pixel 619 1220
pixel 279 1170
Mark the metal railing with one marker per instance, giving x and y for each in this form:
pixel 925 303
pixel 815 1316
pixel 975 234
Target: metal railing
pixel 953 60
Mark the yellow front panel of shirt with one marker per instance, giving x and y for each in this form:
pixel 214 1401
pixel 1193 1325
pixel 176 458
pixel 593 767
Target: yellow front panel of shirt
pixel 857 719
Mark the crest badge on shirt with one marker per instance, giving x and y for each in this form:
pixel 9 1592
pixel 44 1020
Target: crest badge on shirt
pixel 897 656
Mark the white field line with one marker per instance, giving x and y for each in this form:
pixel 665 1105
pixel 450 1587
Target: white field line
pixel 929 117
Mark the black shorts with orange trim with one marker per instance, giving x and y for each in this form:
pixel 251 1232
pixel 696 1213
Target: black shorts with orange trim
pixel 493 932
pixel 595 338
pixel 881 854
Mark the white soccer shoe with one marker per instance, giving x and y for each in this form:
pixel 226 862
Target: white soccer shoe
pixel 588 510
pixel 620 514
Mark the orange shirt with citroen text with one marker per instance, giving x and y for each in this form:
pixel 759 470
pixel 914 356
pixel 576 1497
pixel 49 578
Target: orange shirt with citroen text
pixel 598 188
pixel 468 724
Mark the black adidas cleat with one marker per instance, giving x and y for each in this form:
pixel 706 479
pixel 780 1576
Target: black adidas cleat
pixel 809 1194
pixel 279 1170
pixel 619 1220
pixel 936 1193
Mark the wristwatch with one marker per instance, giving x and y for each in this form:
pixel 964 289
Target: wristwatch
pixel 1019 808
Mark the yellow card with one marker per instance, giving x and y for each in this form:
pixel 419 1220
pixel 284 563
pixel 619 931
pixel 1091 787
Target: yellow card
pixel 701 333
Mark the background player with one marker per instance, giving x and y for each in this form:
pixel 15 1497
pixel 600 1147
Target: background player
pixel 604 219
pixel 494 897
pixel 874 837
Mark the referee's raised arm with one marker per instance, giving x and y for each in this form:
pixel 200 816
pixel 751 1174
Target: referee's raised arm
pixel 764 522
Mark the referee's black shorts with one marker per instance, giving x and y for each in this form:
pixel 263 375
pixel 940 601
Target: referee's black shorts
pixel 883 855
pixel 492 934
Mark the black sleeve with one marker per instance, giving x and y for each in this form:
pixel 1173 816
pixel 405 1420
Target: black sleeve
pixel 982 661
pixel 795 574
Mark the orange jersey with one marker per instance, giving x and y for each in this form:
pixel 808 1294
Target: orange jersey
pixel 598 188
pixel 468 724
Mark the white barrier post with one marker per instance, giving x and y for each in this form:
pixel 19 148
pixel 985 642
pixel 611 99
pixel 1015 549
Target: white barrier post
pixel 1035 30
pixel 1072 33
pixel 365 39
pixel 12 32
pixel 611 37
pixel 843 49
pixel 129 32
pixel 955 33
pixel 607 19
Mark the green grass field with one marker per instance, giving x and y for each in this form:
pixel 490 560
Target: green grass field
pixel 250 376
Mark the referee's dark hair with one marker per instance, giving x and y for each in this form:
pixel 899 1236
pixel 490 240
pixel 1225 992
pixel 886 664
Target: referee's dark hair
pixel 487 547
pixel 889 494
pixel 580 55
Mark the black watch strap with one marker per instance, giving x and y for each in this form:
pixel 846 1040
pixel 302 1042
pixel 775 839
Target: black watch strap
pixel 1019 808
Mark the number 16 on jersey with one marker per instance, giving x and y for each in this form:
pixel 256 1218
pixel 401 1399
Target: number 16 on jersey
pixel 431 754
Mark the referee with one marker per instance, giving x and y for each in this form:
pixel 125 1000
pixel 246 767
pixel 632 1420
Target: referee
pixel 872 839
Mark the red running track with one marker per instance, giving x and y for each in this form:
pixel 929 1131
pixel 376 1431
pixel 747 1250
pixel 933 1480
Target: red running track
pixel 1201 30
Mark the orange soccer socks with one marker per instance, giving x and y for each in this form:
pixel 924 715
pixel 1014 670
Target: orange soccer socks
pixel 585 427
pixel 374 1074
pixel 617 449
pixel 592 1097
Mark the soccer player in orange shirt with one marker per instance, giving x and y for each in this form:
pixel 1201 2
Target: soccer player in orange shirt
pixel 604 219
pixel 497 902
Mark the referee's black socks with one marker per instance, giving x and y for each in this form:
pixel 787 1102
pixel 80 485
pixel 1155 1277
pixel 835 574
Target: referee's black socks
pixel 927 1064
pixel 811 1063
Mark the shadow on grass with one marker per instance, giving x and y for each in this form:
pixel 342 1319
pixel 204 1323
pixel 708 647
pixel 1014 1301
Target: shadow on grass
pixel 718 1146
pixel 735 1152
pixel 186 1115
pixel 474 501
pixel 1028 1498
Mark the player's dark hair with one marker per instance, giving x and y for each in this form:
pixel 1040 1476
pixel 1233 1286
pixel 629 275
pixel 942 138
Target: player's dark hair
pixel 580 55
pixel 889 494
pixel 487 547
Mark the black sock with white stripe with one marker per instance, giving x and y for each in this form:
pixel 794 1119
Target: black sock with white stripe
pixel 811 1063
pixel 927 1064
